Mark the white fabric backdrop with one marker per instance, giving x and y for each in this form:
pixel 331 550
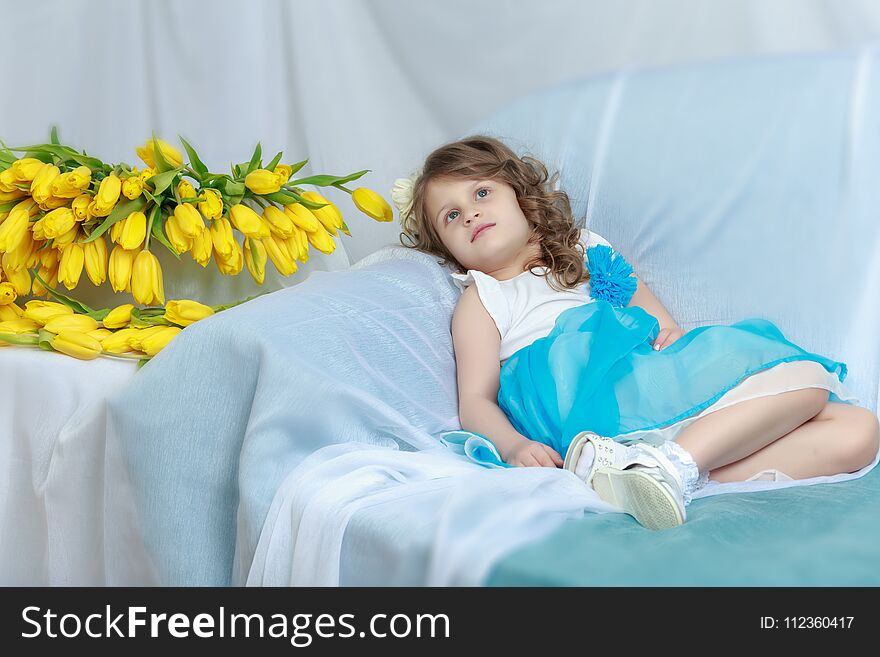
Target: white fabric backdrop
pixel 354 84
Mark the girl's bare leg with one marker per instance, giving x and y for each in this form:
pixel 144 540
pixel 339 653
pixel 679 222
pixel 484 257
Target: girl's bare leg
pixel 841 438
pixel 735 432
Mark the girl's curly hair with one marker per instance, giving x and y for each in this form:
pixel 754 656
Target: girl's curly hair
pixel 548 211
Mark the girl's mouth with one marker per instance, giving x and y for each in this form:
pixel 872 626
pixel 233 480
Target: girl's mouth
pixel 482 229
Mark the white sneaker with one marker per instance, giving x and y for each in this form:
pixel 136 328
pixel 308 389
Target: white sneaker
pixel 637 479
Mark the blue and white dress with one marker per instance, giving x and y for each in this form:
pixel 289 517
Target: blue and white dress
pixel 581 360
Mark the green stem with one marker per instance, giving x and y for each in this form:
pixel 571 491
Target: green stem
pixel 19 339
pixel 343 188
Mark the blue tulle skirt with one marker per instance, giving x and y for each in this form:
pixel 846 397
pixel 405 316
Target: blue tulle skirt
pixel 597 371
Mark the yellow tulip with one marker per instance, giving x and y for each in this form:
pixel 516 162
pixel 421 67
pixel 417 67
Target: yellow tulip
pixel 137 336
pixel 283 172
pixel 26 169
pixel 277 252
pixel 10 311
pixel 42 311
pixel 186 190
pixel 189 220
pixel 176 236
pixel 70 184
pixel 13 229
pixel 8 181
pixel 12 195
pixel 96 260
pixel 201 248
pixel 245 220
pixel 184 312
pixel 372 204
pixel 221 236
pixel 49 257
pixel 82 323
pixel 80 206
pixel 57 222
pixel 279 223
pixel 146 174
pixel 254 249
pixel 41 186
pixel 121 261
pixel 153 344
pixel 67 238
pixel 70 269
pixel 212 206
pixel 54 202
pixel 20 280
pixel 100 334
pixel 117 342
pixel 262 181
pixel 18 325
pixel 132 187
pixel 134 230
pixel 230 265
pixel 146 279
pixel 76 344
pixel 118 317
pixel 19 257
pixel 116 230
pixel 321 240
pixel 301 216
pixel 171 154
pixel 7 293
pixel 329 215
pixel 108 195
pixel 293 248
pixel 48 274
pixel 303 245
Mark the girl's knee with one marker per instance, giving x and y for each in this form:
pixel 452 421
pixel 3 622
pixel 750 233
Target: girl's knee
pixel 815 399
pixel 858 437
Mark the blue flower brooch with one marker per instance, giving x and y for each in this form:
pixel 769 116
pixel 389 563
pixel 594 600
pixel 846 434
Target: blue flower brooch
pixel 611 276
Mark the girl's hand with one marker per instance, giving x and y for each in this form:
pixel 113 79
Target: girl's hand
pixel 667 336
pixel 530 453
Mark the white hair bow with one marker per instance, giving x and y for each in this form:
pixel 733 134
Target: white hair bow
pixel 402 195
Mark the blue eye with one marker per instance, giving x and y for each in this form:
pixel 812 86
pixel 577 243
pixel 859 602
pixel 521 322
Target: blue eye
pixel 481 189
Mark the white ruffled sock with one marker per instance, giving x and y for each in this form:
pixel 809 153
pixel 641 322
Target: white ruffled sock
pixel 692 479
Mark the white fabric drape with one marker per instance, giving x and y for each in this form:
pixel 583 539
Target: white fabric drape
pixel 354 84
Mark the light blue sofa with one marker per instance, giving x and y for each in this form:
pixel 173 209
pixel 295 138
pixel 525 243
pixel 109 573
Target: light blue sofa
pixel 735 189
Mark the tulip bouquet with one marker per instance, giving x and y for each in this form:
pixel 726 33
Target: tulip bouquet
pixel 73 328
pixel 58 207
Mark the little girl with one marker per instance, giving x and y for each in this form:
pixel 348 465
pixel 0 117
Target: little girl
pixel 559 351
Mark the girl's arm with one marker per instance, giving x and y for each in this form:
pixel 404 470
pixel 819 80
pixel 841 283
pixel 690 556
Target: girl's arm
pixel 644 298
pixel 477 347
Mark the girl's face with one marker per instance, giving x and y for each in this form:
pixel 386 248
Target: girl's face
pixel 481 224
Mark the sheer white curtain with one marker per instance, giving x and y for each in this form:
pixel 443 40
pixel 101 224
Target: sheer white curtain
pixel 354 84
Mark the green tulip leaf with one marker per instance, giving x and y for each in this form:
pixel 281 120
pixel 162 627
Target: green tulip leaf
pixel 284 198
pixel 70 302
pixel 233 188
pixel 344 229
pixel 53 136
pixel 296 167
pixel 326 181
pixel 255 159
pixel 156 231
pixel 121 211
pixel 162 181
pixel 194 160
pixel 161 163
pixel 274 162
